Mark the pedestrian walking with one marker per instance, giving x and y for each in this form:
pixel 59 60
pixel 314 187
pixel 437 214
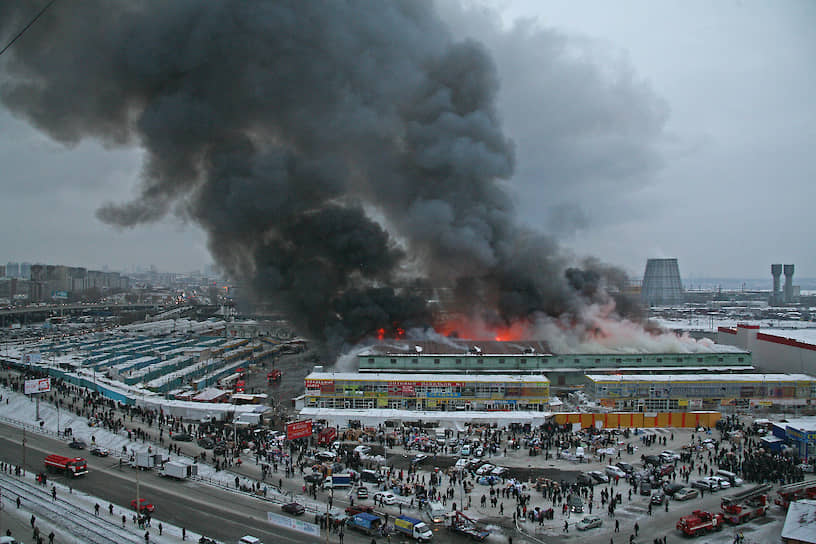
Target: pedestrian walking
pixel 183 533
pixel 617 526
pixel 160 528
pixel 33 520
pixel 124 519
pixel 566 526
pixel 53 493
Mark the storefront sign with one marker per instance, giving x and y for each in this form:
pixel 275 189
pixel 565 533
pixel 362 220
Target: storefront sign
pixel 298 429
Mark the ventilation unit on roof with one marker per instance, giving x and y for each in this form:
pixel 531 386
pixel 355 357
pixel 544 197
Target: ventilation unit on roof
pixel 418 349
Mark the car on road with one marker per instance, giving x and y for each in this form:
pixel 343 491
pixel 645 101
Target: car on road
pixel 385 497
pixel 645 488
pixel 99 451
pixel 77 444
pixel 294 508
pixel 499 471
pixel 589 522
pixel 653 460
pixel 488 480
pixel 419 458
pixel 9 540
pixel 465 452
pixel 144 506
pixel 182 437
pixel 612 471
pixel 599 476
pixel 685 494
pixel 479 451
pixel 362 492
pixel 206 443
pixel 724 483
pixel 576 505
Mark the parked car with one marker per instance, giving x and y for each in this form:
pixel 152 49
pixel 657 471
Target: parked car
pixel 182 437
pixel 144 506
pixel 206 443
pixel 589 522
pixel 488 480
pixel 419 458
pixel 645 488
pixel 612 471
pixel 77 444
pixel 362 492
pixel 576 505
pixel 685 494
pixel 706 484
pixel 670 488
pixel 585 479
pixel 100 452
pixel 670 456
pixel 294 508
pixel 362 450
pixel 484 469
pixel 386 497
pixel 465 452
pixel 626 467
pixel 653 460
pixel 313 478
pixel 599 476
pixel 723 483
pixel 499 471
pixel 658 497
pixel 326 455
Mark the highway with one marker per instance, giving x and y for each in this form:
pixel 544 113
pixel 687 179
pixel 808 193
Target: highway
pixel 201 508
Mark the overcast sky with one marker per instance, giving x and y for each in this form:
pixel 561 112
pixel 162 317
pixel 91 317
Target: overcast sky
pixel 718 98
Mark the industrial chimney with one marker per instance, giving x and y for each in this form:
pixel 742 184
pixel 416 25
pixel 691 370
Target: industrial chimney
pixel 776 272
pixel 788 269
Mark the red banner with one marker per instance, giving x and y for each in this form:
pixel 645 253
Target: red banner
pixel 298 429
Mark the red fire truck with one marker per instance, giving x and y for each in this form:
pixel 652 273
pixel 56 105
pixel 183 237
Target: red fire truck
pixel 71 466
pixel 699 522
pixel 326 436
pixel 794 492
pixel 749 504
pixel 273 376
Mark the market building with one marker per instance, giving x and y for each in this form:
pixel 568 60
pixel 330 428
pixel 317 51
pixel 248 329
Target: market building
pixel 638 392
pixel 455 356
pixel 800 434
pixel 438 392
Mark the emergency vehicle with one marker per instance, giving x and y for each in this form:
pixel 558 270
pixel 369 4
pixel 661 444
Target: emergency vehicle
pixel 699 522
pixel 71 466
pixel 749 504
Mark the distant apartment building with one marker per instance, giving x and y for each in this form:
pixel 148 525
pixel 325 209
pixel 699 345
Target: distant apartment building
pixel 12 270
pixel 59 282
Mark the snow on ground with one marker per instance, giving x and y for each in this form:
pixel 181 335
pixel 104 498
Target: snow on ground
pixel 20 410
pixel 707 323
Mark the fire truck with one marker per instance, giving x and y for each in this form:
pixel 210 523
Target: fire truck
pixel 326 436
pixel 794 492
pixel 71 466
pixel 749 504
pixel 273 376
pixel 699 522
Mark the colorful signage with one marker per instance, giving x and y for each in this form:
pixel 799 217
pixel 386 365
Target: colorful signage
pixel 37 386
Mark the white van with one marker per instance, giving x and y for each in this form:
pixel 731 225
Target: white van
pixel 732 478
pixel 435 511
pixel 248 539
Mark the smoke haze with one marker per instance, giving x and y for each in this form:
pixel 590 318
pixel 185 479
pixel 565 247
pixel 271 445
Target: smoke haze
pixel 341 156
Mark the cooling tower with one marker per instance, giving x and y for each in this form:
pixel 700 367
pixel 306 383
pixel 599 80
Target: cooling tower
pixel 788 270
pixel 661 283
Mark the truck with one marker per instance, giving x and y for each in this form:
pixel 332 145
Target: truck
pixel 365 522
pixel 146 461
pixel 414 528
pixel 749 504
pixel 326 436
pixel 700 522
pixel 337 480
pixel 794 492
pixel 178 470
pixel 273 376
pixel 70 466
pixel 460 523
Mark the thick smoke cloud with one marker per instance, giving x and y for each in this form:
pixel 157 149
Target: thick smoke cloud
pixel 285 128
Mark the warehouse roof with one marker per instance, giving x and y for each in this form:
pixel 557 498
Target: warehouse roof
pixel 455 346
pixel 699 378
pixel 418 377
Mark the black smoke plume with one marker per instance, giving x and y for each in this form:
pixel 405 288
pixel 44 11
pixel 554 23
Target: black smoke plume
pixel 334 152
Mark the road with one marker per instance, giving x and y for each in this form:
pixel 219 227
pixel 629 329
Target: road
pixel 201 508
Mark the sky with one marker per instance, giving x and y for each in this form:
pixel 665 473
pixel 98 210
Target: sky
pixel 642 129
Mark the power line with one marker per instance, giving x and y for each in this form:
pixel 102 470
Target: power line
pixel 34 20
